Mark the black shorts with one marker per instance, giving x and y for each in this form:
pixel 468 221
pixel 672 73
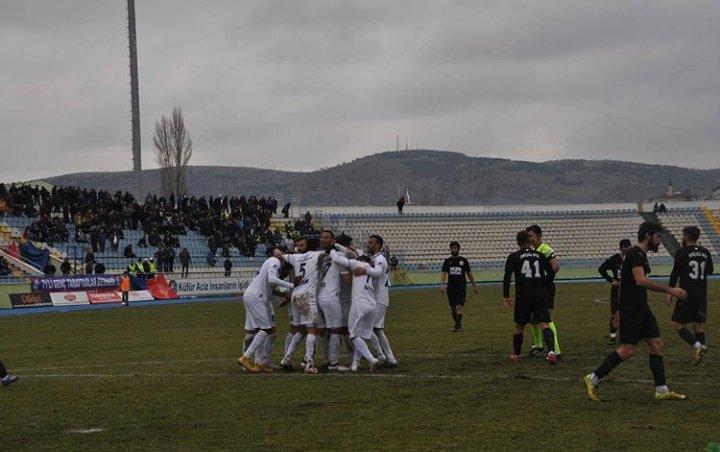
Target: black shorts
pixel 692 310
pixel 551 296
pixel 456 297
pixel 636 326
pixel 531 311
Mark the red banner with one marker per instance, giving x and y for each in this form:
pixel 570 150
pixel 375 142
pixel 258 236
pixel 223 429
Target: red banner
pixel 160 289
pixel 104 297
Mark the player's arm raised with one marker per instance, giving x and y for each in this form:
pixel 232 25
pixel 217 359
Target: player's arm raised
pixel 644 281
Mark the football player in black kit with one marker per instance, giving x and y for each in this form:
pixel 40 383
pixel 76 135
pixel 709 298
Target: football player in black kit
pixel 456 270
pixel 693 264
pixel 610 270
pixel 533 276
pixel 637 321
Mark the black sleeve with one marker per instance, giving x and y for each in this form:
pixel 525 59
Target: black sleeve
pixel 446 266
pixel 709 268
pixel 675 274
pixel 467 266
pixel 603 270
pixel 508 276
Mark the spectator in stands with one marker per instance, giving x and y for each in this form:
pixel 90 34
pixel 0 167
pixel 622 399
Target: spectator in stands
pixel 401 204
pixel 89 262
pixel 65 267
pixel 153 267
pixel 286 210
pixel 5 269
pixel 128 251
pixel 169 259
pixel 102 240
pixel 662 208
pixel 49 269
pixel 99 268
pixel 308 217
pixel 142 241
pixel 114 242
pixel 211 259
pixel 228 267
pixel 184 262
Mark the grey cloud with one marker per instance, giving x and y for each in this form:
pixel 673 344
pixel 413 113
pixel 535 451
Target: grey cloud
pixel 303 84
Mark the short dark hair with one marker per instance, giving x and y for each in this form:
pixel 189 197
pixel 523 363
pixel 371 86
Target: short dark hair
pixel 328 231
pixel 523 238
pixel 648 228
pixel 625 243
pixel 344 239
pixel 454 243
pixel 534 228
pixel 692 231
pixel 377 239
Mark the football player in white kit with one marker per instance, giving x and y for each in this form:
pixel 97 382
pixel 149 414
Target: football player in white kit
pixel 361 317
pixel 260 315
pixel 307 264
pixel 382 297
pixel 329 303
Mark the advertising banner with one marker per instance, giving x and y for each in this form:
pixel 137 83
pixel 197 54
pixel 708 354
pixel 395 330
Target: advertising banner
pixel 73 283
pixel 69 298
pixel 104 297
pixel 209 286
pixel 30 300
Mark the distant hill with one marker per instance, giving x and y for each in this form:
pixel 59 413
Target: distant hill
pixel 433 177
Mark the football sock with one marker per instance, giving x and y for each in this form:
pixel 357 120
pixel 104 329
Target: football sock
pixel 297 338
pixel 454 315
pixel 611 361
pixel 385 345
pixel 334 349
pixel 248 340
pixel 3 371
pixel 537 336
pixel 349 345
pixel 687 336
pixel 657 367
pixel 556 346
pixel 458 320
pixel 375 341
pixel 362 349
pixel 267 348
pixel 517 343
pixel 310 347
pixel 256 343
pixel 700 336
pixel 613 328
pixel 288 339
pixel 549 337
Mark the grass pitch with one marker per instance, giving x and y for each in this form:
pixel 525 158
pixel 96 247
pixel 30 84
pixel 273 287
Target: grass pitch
pixel 165 378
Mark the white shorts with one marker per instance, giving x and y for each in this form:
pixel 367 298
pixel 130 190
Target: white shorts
pixel 304 311
pixel 331 315
pixel 360 319
pixel 259 314
pixel 380 311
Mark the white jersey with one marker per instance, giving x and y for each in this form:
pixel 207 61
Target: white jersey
pixel 260 287
pixel 382 283
pixel 363 288
pixel 330 282
pixel 306 268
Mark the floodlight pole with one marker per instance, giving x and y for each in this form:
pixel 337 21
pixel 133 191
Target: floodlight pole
pixel 134 102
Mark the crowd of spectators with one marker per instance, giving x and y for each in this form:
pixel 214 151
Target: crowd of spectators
pixel 99 217
pixel 5 269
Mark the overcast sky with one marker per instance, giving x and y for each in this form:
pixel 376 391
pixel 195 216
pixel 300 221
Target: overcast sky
pixel 304 84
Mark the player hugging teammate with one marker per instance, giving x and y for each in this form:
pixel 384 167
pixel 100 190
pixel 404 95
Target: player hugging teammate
pixel 338 291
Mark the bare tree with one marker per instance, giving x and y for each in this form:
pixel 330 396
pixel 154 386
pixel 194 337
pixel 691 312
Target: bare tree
pixel 173 149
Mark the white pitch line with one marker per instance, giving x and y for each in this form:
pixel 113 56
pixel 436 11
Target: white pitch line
pixel 491 356
pixel 573 380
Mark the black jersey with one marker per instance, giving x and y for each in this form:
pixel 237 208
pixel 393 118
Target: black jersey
pixel 611 270
pixel 692 266
pixel 457 269
pixel 632 296
pixel 532 275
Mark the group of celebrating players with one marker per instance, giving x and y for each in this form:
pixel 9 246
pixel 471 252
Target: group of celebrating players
pixel 534 266
pixel 338 292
